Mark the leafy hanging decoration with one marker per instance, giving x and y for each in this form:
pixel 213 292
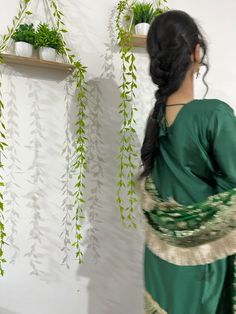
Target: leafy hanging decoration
pixel 80 158
pixel 80 163
pixel 127 108
pixel 2 147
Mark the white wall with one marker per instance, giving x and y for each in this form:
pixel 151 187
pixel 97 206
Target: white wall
pixel 40 106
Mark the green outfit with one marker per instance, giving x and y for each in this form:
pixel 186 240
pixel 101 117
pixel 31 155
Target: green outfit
pixel 197 158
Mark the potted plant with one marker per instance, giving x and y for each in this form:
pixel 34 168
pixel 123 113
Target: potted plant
pixel 24 38
pixel 143 14
pixel 49 41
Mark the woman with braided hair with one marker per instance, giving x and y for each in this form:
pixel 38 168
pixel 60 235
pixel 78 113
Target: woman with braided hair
pixel 188 180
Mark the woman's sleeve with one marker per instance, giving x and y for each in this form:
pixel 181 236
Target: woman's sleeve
pixel 222 140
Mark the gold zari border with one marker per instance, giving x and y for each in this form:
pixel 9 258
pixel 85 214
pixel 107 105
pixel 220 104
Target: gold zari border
pixel 214 248
pixel 151 306
pixel 197 255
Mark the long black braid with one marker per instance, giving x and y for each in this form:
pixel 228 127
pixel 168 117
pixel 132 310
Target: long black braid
pixel 171 40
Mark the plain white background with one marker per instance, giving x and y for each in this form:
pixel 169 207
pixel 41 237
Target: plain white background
pixel 40 114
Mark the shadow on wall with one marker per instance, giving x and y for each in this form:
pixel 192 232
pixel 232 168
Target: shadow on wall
pixel 5 311
pixel 37 197
pixel 113 258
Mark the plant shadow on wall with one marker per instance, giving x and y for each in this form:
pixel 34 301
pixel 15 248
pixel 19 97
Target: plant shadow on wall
pixel 106 239
pixel 77 31
pixel 36 198
pixel 5 311
pixel 12 187
pixel 38 248
pixel 36 179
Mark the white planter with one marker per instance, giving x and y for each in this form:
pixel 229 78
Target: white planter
pixel 47 53
pixel 142 28
pixel 23 49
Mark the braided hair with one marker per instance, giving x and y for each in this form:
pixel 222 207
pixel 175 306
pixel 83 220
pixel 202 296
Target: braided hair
pixel 171 40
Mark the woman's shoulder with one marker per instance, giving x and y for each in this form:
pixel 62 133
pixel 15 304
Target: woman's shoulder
pixel 212 105
pixel 206 112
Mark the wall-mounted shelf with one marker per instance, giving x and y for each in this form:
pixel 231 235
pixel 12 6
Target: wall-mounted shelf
pixel 13 59
pixel 139 40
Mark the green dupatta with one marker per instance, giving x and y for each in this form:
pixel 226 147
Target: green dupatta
pixel 193 234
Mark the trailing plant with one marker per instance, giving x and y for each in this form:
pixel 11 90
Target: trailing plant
pixel 2 147
pixel 124 23
pixel 80 163
pixel 143 13
pixel 25 33
pixel 49 37
pixel 128 85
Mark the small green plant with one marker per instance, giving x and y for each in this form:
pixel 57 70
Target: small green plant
pixel 49 37
pixel 25 33
pixel 143 13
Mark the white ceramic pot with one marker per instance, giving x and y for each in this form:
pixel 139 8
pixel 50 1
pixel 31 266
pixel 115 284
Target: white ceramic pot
pixel 23 49
pixel 142 28
pixel 47 53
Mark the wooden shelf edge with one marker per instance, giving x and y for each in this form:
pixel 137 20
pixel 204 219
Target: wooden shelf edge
pixel 10 58
pixel 139 41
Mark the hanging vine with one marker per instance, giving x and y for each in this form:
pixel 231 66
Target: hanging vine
pixel 127 108
pixel 2 147
pixel 80 163
pixel 80 159
pixel 127 153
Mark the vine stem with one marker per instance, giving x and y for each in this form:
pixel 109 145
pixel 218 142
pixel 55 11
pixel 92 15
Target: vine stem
pixel 127 109
pixel 55 25
pixel 19 19
pixel 2 146
pixel 80 160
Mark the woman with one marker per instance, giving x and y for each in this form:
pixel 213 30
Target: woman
pixel 188 180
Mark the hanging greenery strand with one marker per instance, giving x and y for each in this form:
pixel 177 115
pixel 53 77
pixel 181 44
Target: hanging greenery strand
pixel 127 108
pixel 2 146
pixel 80 163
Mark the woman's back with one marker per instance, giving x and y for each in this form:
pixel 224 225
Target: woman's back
pixel 196 158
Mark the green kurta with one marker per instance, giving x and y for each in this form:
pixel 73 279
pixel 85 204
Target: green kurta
pixel 196 159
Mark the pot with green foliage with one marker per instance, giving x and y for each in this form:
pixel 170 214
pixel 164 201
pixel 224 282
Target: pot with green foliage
pixel 49 41
pixel 24 38
pixel 143 14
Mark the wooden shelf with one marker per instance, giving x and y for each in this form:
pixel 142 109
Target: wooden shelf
pixel 10 58
pixel 139 40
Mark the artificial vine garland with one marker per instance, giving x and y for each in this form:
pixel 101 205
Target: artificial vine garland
pixel 80 162
pixel 127 154
pixel 127 108
pixel 2 146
